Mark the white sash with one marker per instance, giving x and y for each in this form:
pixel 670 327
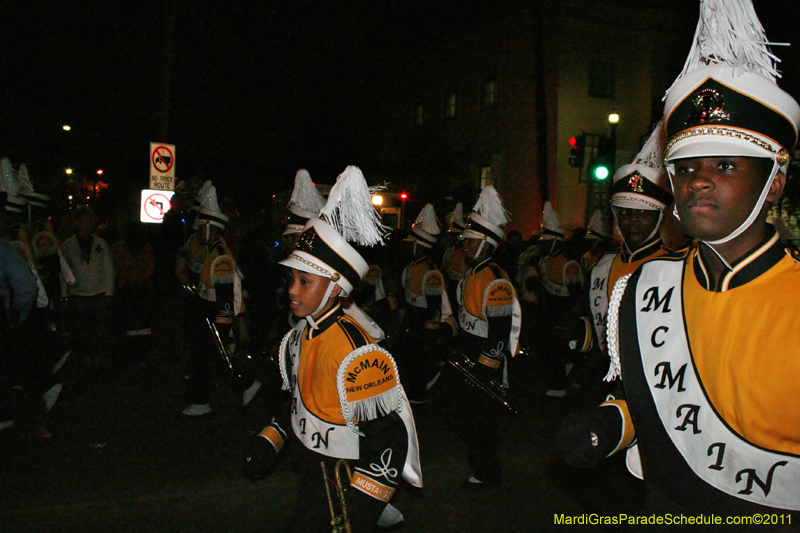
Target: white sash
pixel 714 452
pixel 598 298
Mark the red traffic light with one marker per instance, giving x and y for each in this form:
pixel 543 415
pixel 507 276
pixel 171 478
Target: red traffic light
pixel 576 152
pixel 404 196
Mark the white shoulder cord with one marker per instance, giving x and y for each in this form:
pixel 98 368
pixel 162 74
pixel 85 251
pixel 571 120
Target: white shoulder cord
pixel 612 328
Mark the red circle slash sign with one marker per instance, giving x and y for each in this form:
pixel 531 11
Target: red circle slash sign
pixel 156 205
pixel 163 159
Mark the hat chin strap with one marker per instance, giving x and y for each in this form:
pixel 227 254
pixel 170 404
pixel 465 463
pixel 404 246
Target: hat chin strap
pixel 748 221
pixel 322 304
pixel 754 213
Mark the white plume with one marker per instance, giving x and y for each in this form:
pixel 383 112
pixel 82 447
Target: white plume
pixel 305 195
pixel 349 209
pixel 490 207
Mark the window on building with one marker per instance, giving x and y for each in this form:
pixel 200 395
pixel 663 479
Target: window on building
pixel 602 79
pixel 450 106
pixel 419 114
pixel 489 93
pixel 487 178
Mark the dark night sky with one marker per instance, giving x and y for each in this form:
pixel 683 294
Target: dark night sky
pixel 258 88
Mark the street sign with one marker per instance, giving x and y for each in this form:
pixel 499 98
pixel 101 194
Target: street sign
pixel 154 205
pixel 162 166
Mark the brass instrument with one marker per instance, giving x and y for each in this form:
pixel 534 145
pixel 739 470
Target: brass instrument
pixel 218 343
pixel 464 366
pixel 340 523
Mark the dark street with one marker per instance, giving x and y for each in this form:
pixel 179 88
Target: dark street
pixel 119 460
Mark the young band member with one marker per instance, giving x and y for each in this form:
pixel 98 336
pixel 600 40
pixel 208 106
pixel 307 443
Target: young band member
pixel 346 398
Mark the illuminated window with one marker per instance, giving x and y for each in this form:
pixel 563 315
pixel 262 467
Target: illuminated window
pixel 487 178
pixel 489 94
pixel 450 106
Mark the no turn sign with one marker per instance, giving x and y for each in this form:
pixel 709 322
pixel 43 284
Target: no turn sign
pixel 162 166
pixel 154 205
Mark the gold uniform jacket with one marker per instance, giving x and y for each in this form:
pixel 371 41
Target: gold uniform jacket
pixel 710 369
pixel 347 402
pixel 489 315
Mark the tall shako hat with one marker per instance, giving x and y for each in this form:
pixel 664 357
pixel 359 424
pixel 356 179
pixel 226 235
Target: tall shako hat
pixel 425 230
pixel 201 194
pixel 348 217
pixel 486 218
pixel 455 220
pixel 596 229
pixel 306 203
pixel 551 225
pixel 8 183
pixel 726 101
pixel 642 184
pixel 26 191
pixel 210 212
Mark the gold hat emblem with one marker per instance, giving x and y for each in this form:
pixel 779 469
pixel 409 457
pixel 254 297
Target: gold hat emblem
pixel 306 241
pixel 636 183
pixel 708 106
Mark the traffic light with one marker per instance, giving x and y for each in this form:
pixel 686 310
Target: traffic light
pixel 602 166
pixel 577 147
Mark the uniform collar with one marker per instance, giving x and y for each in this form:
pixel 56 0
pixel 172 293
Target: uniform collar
pixel 641 253
pixel 747 268
pixel 483 264
pixel 326 321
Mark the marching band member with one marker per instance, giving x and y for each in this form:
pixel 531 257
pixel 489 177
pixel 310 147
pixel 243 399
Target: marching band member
pixel 706 339
pixel 427 307
pixel 489 317
pixel 639 200
pixel 219 300
pixel 347 400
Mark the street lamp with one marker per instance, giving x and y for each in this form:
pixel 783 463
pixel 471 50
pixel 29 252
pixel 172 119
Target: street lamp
pixel 68 171
pixel 66 127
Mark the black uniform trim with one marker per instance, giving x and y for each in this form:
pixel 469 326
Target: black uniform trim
pixel 766 260
pixel 354 333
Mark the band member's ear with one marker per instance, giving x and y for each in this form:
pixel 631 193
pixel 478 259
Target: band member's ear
pixel 776 189
pixel 336 291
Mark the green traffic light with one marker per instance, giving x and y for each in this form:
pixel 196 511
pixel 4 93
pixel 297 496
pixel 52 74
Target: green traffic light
pixel 601 172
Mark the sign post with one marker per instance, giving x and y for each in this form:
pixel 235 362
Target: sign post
pixel 162 167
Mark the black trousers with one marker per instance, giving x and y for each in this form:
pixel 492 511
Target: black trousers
pixel 476 420
pixel 312 513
